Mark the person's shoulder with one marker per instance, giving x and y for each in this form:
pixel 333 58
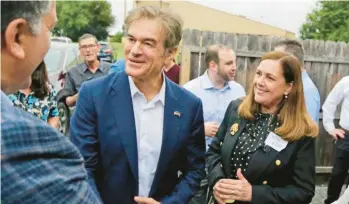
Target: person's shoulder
pixel 76 68
pixel 183 93
pixel 234 105
pixel 192 84
pixel 23 132
pixel 345 80
pixel 309 87
pixel 105 82
pixel 176 67
pixel 236 86
pixel 106 64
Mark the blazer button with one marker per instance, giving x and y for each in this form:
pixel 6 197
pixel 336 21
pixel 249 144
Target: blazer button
pixel 221 143
pixel 265 182
pixel 221 165
pixel 278 162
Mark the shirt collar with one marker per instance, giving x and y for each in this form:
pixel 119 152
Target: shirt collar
pixel 207 83
pixel 5 100
pixel 159 97
pixel 84 66
pixel 304 73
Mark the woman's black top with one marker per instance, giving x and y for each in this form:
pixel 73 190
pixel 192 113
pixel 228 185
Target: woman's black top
pixel 252 138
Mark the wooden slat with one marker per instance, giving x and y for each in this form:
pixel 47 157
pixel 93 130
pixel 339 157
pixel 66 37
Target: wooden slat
pixel 184 76
pixel 207 38
pixel 242 43
pixel 194 64
pixel 247 53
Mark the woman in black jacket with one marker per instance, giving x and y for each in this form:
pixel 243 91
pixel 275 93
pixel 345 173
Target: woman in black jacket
pixel 264 151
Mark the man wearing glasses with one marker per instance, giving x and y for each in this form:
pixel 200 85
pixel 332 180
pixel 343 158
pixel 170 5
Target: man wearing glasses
pixel 91 68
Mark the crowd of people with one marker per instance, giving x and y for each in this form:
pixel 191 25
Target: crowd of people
pixel 137 136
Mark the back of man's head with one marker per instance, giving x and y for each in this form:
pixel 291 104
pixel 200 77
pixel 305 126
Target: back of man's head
pixel 21 28
pixel 293 47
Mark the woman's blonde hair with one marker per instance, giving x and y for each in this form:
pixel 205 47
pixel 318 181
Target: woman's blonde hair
pixel 295 122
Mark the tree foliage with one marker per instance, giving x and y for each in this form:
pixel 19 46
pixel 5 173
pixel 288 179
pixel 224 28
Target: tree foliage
pixel 328 21
pixel 78 17
pixel 117 37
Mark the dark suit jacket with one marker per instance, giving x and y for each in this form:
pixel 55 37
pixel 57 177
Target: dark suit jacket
pixel 103 129
pixel 290 182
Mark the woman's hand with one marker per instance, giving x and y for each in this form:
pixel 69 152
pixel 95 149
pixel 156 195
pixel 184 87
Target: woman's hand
pixel 229 190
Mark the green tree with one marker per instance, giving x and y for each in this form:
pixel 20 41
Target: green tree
pixel 328 21
pixel 78 17
pixel 117 37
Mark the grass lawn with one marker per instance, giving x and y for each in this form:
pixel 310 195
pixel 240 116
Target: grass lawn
pixel 118 52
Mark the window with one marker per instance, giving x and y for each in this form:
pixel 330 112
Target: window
pixel 52 60
pixel 71 59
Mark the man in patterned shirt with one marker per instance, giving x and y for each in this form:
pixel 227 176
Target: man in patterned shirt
pixel 38 165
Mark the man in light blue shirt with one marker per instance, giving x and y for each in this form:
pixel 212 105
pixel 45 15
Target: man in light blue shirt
pixel 216 89
pixel 311 93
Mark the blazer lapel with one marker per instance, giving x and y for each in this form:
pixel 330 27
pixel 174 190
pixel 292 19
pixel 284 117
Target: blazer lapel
pixel 229 143
pixel 171 127
pixel 123 114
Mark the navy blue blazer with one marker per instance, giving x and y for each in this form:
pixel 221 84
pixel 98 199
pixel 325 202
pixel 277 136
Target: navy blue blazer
pixel 103 129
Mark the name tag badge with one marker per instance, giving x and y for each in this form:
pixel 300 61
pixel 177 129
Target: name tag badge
pixel 276 142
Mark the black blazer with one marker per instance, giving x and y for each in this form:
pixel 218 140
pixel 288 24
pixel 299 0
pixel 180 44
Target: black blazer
pixel 285 177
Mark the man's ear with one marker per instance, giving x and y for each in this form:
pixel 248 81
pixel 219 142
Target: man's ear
pixel 171 53
pixel 14 35
pixel 212 65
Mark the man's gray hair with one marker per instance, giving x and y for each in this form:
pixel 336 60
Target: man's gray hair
pixel 87 36
pixel 171 22
pixel 31 11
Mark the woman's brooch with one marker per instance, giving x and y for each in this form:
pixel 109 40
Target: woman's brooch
pixel 234 128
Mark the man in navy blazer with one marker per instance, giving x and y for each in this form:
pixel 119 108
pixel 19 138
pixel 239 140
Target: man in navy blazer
pixel 141 135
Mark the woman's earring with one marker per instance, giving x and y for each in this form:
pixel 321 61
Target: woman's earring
pixel 285 96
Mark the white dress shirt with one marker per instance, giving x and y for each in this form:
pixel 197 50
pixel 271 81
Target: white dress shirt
pixel 149 118
pixel 340 93
pixel 344 199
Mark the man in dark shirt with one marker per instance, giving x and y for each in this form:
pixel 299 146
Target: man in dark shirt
pixel 91 68
pixel 171 70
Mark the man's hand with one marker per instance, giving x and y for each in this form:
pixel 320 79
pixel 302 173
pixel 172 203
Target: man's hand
pixel 71 100
pixel 211 129
pixel 229 190
pixel 337 134
pixel 145 200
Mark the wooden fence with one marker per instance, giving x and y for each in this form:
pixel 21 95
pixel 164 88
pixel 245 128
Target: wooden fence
pixel 326 63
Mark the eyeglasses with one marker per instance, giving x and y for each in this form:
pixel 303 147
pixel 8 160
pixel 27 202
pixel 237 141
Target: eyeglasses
pixel 84 47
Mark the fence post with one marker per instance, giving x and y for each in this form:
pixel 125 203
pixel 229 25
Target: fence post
pixel 184 75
